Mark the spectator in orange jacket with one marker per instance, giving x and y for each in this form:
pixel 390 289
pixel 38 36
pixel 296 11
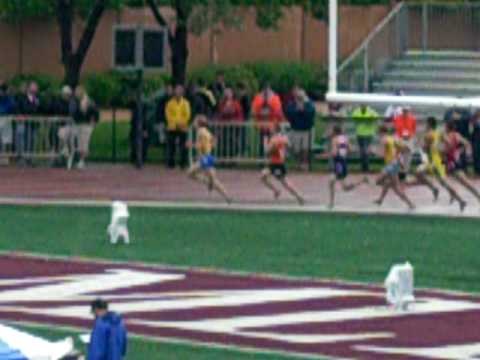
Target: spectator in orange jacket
pixel 267 112
pixel 405 124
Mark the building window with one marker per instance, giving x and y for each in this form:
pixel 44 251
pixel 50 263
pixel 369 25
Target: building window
pixel 125 48
pixel 138 47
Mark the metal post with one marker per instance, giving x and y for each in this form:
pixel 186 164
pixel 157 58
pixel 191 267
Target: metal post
pixel 332 46
pixel 366 71
pixel 424 26
pixel 139 128
pixel 114 135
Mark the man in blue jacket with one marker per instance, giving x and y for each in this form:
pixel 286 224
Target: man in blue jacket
pixel 301 115
pixel 109 336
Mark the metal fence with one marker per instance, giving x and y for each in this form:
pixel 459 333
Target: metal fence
pixel 34 138
pixel 244 143
pixel 420 26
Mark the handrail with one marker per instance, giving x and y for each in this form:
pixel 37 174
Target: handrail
pixel 370 36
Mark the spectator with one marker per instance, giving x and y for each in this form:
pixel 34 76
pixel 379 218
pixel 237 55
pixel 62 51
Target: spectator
pixel 25 132
pixel 108 340
pixel 301 115
pixel 133 131
pixel 219 86
pixel 461 118
pixel 267 111
pixel 405 124
pixel 393 110
pixel 7 107
pixel 65 105
pixel 178 114
pixel 230 138
pixel 245 100
pixel 86 115
pixel 202 100
pixel 160 118
pixel 476 142
pixel 365 119
pixel 289 97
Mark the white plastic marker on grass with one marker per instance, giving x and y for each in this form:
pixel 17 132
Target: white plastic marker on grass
pixel 19 345
pixel 399 286
pixel 118 229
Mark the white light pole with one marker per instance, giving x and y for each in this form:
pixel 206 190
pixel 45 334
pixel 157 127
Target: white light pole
pixel 332 46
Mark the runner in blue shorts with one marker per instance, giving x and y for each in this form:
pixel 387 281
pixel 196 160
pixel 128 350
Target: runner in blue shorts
pixel 339 151
pixel 203 170
pixel 396 153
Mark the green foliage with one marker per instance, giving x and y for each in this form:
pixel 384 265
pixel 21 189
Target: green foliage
pixel 47 84
pixel 233 75
pixel 105 88
pixel 18 10
pixel 152 83
pixel 282 76
pixel 116 88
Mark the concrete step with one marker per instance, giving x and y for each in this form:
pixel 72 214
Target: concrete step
pixel 434 75
pixel 443 54
pixel 426 87
pixel 438 65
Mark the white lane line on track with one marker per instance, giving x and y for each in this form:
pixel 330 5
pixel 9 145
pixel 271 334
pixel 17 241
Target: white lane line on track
pixel 430 210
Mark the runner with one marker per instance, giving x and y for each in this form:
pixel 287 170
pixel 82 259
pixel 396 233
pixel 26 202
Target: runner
pixel 436 167
pixel 339 153
pixel 276 148
pixel 395 154
pixel 453 142
pixel 203 170
pixel 422 165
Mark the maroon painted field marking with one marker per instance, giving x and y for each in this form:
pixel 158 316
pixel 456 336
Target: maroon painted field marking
pixel 317 318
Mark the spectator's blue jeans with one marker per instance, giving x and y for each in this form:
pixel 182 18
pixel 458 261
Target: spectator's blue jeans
pixel 364 145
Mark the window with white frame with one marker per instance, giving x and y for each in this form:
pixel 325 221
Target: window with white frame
pixel 138 47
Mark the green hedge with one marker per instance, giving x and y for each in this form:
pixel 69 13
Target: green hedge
pixel 234 75
pixel 47 84
pixel 281 76
pixel 111 88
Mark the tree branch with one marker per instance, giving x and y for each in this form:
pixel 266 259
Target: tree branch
pixel 65 21
pixel 90 29
pixel 156 13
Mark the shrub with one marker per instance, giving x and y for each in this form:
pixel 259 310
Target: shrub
pixel 47 84
pixel 282 76
pixel 233 75
pixel 105 89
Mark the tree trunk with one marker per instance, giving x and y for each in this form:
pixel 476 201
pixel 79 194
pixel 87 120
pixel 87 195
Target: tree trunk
pixel 179 59
pixel 72 73
pixel 177 38
pixel 73 61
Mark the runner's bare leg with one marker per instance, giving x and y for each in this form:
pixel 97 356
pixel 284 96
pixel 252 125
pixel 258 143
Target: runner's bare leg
pixel 462 179
pixel 266 179
pixel 291 189
pixel 217 185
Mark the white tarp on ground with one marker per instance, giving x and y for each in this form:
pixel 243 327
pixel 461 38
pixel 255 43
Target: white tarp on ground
pixel 19 345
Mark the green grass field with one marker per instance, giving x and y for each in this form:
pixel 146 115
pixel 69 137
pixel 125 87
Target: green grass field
pixel 350 247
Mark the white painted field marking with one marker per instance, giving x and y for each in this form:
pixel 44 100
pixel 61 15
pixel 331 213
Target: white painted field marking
pixel 86 284
pixel 229 325
pixel 451 352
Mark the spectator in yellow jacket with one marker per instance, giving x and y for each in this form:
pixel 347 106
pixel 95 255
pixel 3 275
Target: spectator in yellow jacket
pixel 178 115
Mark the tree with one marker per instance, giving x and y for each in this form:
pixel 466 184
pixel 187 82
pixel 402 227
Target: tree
pixel 198 16
pixel 65 12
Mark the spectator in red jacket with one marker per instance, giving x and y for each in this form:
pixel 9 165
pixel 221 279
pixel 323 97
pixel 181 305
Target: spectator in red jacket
pixel 230 116
pixel 405 124
pixel 267 112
